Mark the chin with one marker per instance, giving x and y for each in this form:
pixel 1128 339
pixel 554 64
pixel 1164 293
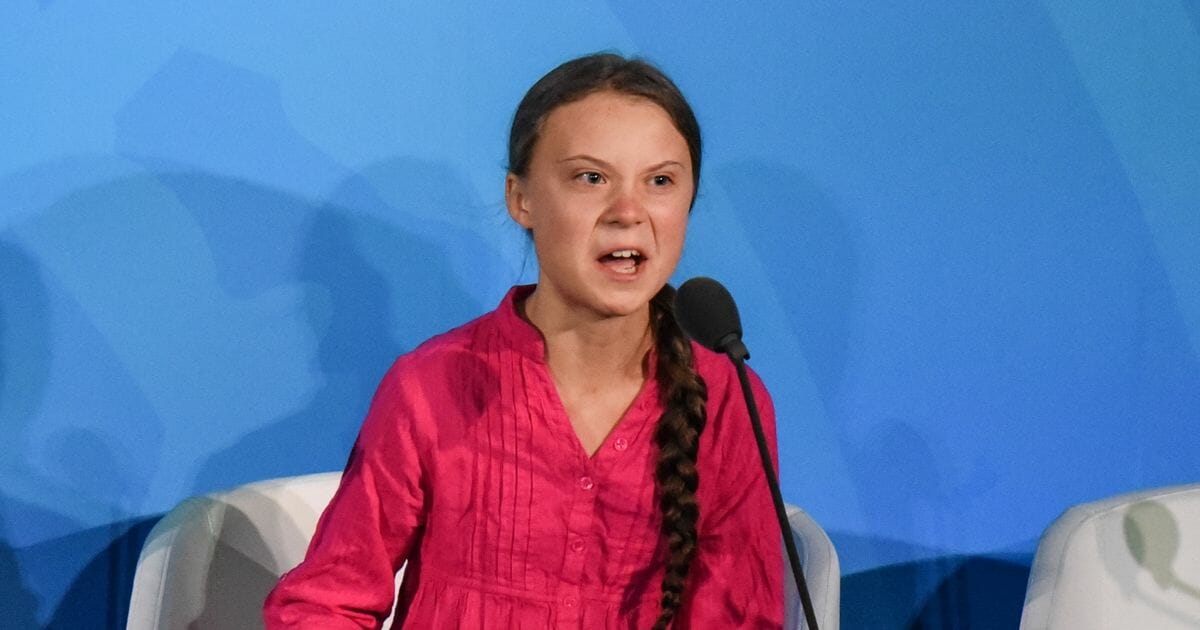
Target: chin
pixel 621 310
pixel 624 303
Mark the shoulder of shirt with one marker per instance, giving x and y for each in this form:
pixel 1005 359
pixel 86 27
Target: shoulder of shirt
pixel 438 349
pixel 718 372
pixel 716 369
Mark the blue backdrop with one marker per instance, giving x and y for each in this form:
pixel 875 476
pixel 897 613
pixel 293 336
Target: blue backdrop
pixel 963 237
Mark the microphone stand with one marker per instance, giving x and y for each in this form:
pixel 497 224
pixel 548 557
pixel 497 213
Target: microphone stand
pixel 736 351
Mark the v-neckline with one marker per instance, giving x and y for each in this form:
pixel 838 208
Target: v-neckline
pixel 529 341
pixel 624 426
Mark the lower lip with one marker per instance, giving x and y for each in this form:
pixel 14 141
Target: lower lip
pixel 617 276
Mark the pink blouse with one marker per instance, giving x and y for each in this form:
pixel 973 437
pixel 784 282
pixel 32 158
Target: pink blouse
pixel 468 469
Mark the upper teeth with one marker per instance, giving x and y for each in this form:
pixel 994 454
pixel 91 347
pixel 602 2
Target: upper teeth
pixel 625 253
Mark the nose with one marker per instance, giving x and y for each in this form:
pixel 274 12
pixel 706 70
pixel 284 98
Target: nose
pixel 625 208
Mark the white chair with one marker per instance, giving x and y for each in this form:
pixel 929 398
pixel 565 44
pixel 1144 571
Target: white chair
pixel 210 562
pixel 822 573
pixel 1131 561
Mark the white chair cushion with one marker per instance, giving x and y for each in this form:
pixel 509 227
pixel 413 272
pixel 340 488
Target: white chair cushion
pixel 822 573
pixel 211 561
pixel 1131 561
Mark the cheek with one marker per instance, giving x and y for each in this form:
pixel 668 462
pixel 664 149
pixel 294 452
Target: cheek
pixel 555 232
pixel 555 237
pixel 551 211
pixel 674 229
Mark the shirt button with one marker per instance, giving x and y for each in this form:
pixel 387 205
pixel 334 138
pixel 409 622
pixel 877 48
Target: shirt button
pixel 586 483
pixel 621 444
pixel 570 602
pixel 576 545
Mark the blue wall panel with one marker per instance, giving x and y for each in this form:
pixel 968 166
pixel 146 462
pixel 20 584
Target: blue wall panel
pixel 962 236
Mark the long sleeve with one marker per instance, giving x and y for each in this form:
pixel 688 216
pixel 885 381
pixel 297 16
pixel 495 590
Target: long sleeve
pixel 736 580
pixel 365 534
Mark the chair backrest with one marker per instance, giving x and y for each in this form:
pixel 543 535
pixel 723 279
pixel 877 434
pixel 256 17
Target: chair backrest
pixel 1131 561
pixel 822 573
pixel 210 562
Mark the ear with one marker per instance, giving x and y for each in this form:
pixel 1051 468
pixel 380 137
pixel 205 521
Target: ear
pixel 514 198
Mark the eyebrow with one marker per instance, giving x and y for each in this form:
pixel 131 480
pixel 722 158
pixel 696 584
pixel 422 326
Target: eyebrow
pixel 598 161
pixel 586 158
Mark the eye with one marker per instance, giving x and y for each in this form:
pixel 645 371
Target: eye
pixel 590 177
pixel 662 180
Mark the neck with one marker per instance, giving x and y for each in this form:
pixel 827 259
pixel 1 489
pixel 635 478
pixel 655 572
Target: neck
pixel 581 344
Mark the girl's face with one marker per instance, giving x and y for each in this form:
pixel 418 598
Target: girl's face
pixel 606 196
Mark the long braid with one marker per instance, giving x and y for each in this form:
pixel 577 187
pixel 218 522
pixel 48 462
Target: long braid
pixel 678 437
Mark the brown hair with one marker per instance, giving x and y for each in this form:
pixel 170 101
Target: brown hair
pixel 684 394
pixel 581 77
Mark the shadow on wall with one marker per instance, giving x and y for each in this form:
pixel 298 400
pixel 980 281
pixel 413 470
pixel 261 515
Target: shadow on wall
pixel 788 218
pixel 99 595
pixel 370 290
pixel 354 270
pixel 938 590
pixel 350 267
pixel 24 348
pixel 101 240
pixel 80 580
pixel 82 436
pixel 18 604
pixel 24 369
pixel 95 596
pixel 950 591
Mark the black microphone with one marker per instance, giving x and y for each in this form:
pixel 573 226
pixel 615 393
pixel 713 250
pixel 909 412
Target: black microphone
pixel 705 311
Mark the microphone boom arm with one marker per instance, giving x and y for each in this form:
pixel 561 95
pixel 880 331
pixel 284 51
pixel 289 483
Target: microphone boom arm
pixel 785 528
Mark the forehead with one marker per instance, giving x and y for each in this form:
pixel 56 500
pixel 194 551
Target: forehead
pixel 614 122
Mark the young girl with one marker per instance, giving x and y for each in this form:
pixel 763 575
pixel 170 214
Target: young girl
pixel 568 460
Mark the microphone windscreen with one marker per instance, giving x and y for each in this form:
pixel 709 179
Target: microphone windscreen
pixel 706 312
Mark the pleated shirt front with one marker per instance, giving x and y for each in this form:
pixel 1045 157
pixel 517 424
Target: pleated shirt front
pixel 468 473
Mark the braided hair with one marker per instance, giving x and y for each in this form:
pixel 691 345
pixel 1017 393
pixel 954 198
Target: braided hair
pixel 684 395
pixel 678 438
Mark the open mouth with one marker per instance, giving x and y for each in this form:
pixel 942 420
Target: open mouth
pixel 623 261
